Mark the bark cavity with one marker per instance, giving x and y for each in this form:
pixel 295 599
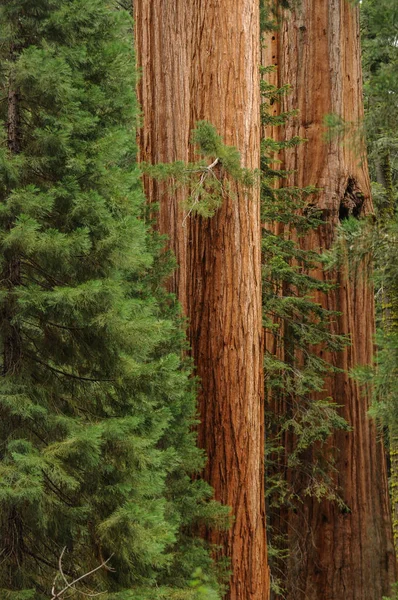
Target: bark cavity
pixel 352 202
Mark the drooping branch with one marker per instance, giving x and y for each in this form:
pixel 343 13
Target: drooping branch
pixel 206 171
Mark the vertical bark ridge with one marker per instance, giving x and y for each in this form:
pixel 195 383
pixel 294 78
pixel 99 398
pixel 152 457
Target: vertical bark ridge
pixel 224 298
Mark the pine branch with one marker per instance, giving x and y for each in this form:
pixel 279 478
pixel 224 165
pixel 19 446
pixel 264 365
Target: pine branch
pixel 65 374
pixel 206 171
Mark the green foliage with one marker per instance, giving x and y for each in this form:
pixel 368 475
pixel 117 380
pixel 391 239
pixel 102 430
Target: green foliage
pixel 210 144
pixel 97 407
pixel 200 589
pixel 206 185
pixel 378 240
pixel 356 242
pixel 291 284
pixel 300 420
pixel 380 61
pixel 395 593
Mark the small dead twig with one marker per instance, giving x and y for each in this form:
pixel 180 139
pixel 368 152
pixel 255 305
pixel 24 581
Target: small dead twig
pixel 68 585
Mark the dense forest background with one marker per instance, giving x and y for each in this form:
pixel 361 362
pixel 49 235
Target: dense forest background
pixel 198 299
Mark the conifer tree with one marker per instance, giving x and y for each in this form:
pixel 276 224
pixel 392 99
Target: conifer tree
pixel 379 22
pixel 96 441
pixel 380 60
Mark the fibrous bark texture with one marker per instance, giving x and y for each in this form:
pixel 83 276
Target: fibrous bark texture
pixel 163 40
pixel 200 61
pixel 336 551
pixel 394 482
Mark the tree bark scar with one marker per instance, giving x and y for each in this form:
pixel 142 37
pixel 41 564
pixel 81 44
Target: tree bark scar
pixel 352 202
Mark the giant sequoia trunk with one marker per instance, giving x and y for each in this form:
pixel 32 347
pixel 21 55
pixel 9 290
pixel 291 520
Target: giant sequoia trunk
pixel 336 552
pixel 200 60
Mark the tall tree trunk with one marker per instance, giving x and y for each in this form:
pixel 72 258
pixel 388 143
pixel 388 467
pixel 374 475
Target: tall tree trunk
pixel 11 271
pixel 394 481
pixel 10 333
pixel 163 40
pixel 336 552
pixel 202 57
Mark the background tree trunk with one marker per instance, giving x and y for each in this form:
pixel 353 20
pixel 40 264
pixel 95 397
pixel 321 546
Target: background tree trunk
pixel 200 60
pixel 11 272
pixel 163 39
pixel 336 552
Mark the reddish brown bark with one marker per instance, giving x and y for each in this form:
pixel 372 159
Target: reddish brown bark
pixel 163 40
pixel 199 61
pixel 336 552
